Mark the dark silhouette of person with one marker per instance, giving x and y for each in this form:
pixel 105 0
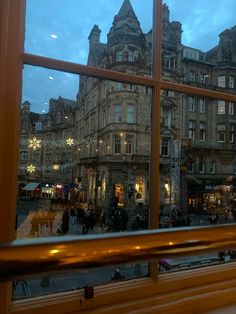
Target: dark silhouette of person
pixel 117 276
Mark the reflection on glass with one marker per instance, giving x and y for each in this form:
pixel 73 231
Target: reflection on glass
pixel 78 280
pixel 201 260
pixel 195 51
pixel 197 160
pixel 84 163
pixel 97 33
pixel 197 168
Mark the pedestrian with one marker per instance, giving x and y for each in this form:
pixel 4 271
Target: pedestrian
pixel 72 215
pixel 226 213
pixel 117 276
pixel 64 223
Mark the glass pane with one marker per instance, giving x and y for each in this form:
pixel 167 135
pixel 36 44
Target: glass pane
pixel 84 280
pixel 113 34
pixel 198 166
pixel 84 155
pixel 196 49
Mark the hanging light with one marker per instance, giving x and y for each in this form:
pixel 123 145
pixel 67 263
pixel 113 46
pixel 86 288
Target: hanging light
pixel 34 143
pixel 31 168
pixel 70 141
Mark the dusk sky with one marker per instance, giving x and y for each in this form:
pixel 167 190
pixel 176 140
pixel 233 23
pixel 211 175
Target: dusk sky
pixel 60 29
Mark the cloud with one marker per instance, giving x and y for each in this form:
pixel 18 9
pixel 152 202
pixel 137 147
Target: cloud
pixel 202 21
pixel 72 21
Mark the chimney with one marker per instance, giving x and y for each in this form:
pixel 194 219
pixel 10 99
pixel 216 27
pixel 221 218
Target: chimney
pixel 94 37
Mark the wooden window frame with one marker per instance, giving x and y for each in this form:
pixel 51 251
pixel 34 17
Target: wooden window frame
pixel 210 283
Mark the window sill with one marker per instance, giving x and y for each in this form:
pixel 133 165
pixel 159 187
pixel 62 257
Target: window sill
pixel 200 289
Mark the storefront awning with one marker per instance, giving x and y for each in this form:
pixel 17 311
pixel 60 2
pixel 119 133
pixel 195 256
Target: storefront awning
pixel 31 186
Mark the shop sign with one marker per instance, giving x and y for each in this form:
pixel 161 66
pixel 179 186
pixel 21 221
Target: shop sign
pixel 212 187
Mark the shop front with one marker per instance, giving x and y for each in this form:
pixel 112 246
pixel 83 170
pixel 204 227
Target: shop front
pixel 210 196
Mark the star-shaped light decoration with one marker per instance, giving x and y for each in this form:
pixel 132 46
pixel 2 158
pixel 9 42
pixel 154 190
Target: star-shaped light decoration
pixel 70 141
pixel 34 143
pixel 56 167
pixel 31 168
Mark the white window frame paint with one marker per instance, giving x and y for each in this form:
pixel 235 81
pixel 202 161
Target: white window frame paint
pixel 191 103
pixel 221 81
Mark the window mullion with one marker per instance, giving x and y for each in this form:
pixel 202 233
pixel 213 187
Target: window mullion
pixel 155 126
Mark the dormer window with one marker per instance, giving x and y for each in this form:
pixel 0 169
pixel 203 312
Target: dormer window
pixel 38 126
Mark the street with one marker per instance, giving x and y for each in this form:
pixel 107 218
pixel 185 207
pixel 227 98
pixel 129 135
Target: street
pixel 34 219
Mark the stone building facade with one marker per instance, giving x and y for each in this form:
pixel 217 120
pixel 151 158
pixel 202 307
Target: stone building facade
pixel 110 124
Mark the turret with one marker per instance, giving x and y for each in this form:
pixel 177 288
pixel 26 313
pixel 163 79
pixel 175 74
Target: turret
pixel 165 14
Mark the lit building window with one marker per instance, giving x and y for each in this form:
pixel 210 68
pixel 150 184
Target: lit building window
pixel 139 189
pixel 221 107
